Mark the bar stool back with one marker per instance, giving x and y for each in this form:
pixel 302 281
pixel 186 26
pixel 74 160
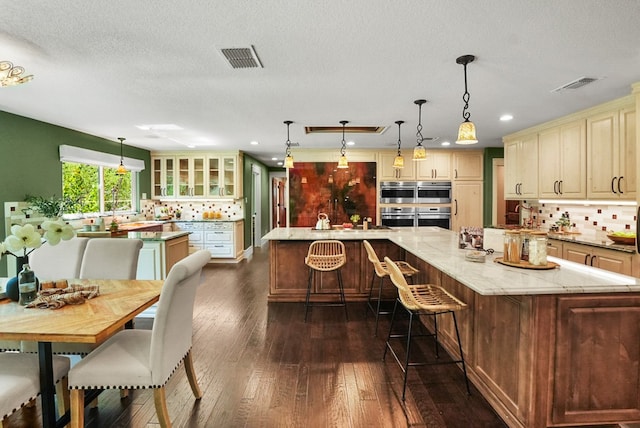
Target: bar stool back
pixel 380 271
pixel 325 256
pixel 425 299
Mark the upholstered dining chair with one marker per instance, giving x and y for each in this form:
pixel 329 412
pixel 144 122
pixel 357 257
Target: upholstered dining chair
pixel 102 258
pixel 20 382
pixel 381 272
pixel 111 258
pixel 141 359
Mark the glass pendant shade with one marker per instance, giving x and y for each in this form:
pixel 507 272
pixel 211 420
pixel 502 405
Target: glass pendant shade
pixel 467 133
pixel 121 169
pixel 419 153
pixel 398 162
pixel 288 162
pixel 343 162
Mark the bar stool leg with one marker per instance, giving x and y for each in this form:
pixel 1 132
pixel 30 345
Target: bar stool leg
pixel 309 283
pixel 406 361
pixel 375 332
pixel 342 298
pixel 435 334
pixel 464 366
pixel 393 317
pixel 369 306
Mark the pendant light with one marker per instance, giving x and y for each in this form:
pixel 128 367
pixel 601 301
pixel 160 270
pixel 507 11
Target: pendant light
pixel 343 162
pixel 467 130
pixel 121 169
pixel 398 162
pixel 419 152
pixel 288 159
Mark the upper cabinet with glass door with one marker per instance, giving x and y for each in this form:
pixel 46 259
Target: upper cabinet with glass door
pixel 196 176
pixel 224 178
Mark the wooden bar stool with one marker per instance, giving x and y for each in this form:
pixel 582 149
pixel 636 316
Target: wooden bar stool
pixel 325 256
pixel 425 299
pixel 380 271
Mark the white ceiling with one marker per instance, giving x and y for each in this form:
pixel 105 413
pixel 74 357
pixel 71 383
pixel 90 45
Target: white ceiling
pixel 105 67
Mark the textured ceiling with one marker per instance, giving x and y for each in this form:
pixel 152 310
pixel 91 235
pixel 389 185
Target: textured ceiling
pixel 105 67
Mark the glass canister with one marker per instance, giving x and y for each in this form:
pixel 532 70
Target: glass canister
pixel 27 285
pixel 525 235
pixel 538 248
pixel 512 245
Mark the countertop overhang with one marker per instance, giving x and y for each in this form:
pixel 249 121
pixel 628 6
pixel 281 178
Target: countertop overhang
pixel 439 248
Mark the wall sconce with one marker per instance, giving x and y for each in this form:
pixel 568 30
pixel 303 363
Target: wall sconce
pixel 467 130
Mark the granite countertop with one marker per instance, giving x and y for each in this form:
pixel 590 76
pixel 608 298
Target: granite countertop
pixel 439 247
pixel 179 220
pixel 156 236
pixel 592 240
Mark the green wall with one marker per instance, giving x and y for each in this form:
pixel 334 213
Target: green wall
pixel 489 155
pixel 30 162
pixel 247 189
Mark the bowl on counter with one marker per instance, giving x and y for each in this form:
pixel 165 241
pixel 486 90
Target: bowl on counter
pixel 622 239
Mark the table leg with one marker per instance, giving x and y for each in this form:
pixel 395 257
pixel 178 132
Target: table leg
pixel 47 388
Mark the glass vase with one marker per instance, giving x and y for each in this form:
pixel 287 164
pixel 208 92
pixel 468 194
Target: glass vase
pixel 27 285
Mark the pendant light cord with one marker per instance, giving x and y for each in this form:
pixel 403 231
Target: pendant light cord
pixel 465 97
pixel 419 136
pixel 343 149
pixel 288 142
pixel 399 122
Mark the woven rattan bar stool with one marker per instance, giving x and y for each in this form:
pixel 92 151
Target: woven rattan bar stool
pixel 425 299
pixel 381 272
pixel 325 256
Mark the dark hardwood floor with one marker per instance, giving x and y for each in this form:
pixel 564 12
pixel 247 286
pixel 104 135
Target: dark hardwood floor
pixel 260 365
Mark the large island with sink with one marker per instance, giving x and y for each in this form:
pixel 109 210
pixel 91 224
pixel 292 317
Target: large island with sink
pixel 546 348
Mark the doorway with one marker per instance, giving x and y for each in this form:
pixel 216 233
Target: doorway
pixel 256 216
pixel 278 202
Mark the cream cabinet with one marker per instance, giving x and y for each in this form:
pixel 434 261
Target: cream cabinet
pixel 224 177
pixel 554 248
pixel 466 209
pixel 521 167
pixel 198 175
pixel 386 171
pixel 163 177
pixel 611 260
pixel 467 165
pixel 562 159
pixel 437 166
pixel 190 176
pixel 611 155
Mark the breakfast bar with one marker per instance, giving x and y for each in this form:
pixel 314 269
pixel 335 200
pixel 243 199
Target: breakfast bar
pixel 546 348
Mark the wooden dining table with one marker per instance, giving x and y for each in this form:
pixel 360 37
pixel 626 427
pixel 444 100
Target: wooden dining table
pixel 93 321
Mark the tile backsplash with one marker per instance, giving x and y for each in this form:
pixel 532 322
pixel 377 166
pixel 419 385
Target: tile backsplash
pixel 587 218
pixel 193 210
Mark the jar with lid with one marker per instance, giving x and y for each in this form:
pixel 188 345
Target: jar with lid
pixel 512 245
pixel 525 235
pixel 538 248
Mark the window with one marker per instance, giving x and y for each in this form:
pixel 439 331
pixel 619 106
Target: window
pixel 90 178
pixel 98 188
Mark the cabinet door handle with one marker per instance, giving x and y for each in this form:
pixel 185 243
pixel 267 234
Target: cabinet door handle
pixel 560 187
pixel 613 190
pixel 592 259
pixel 456 173
pixel 586 258
pixel 555 187
pixel 620 181
pixel 456 204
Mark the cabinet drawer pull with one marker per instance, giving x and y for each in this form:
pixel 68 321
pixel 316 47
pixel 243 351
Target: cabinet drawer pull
pixel 619 187
pixel 613 190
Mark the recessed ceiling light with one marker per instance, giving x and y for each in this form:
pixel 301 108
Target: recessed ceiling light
pixel 280 163
pixel 445 143
pixel 191 146
pixel 160 127
pixel 350 143
pixel 254 143
pixel 274 158
pixel 506 117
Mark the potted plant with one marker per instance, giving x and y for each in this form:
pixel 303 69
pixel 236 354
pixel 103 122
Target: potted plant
pixel 52 208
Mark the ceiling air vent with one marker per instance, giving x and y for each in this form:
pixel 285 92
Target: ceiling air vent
pixel 242 57
pixel 576 83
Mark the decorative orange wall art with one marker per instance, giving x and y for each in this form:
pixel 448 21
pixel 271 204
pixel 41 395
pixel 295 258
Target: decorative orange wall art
pixel 316 187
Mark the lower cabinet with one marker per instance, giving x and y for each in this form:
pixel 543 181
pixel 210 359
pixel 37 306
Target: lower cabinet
pixel 611 260
pixel 223 239
pixel 158 257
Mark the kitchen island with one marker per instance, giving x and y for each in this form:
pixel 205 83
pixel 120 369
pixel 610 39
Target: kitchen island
pixel 159 252
pixel 545 347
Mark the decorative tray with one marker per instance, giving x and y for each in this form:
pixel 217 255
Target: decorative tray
pixel 526 265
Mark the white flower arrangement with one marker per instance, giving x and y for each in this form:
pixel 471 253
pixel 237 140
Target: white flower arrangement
pixel 26 238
